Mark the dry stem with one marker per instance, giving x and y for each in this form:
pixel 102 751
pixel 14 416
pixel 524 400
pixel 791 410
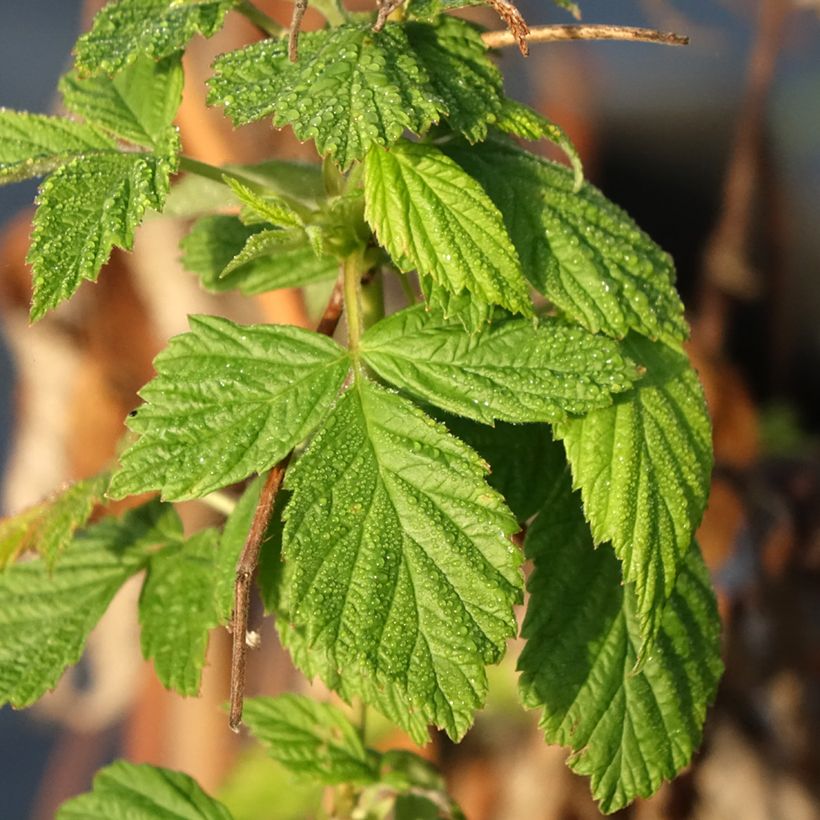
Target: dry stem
pixel 550 34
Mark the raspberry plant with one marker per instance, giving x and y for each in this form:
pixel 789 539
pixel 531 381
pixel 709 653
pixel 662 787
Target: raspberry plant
pixel 535 382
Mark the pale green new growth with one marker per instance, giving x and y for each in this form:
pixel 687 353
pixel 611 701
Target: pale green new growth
pixel 352 89
pixel 47 615
pixel 514 370
pixel 628 730
pixel 216 243
pixel 311 739
pixel 32 145
pixel 431 216
pixel 48 527
pixel 177 610
pixel 581 251
pixel 643 467
pixel 126 29
pixel 138 104
pixel 228 400
pixel 124 791
pixel 400 578
pixel 268 208
pixel 85 209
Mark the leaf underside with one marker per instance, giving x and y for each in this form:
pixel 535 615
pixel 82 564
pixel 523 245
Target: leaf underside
pixel 413 593
pixel 628 730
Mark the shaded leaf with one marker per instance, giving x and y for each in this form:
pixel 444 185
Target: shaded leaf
pixel 311 739
pixel 628 730
pixel 178 609
pixel 46 616
pixel 125 791
pixel 228 400
pixel 579 249
pixel 399 579
pixel 643 468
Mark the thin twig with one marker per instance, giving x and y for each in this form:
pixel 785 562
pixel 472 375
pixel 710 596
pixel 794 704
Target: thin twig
pixel 550 34
pixel 299 9
pixel 517 29
pixel 386 8
pixel 249 559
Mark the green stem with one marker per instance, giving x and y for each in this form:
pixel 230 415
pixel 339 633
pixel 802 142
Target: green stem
pixel 260 19
pixel 361 720
pixel 353 270
pixel 204 169
pixel 404 280
pixel 373 300
pixel 331 10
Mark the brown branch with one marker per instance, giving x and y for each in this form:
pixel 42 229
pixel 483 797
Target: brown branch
pixel 550 34
pixel 299 9
pixel 249 559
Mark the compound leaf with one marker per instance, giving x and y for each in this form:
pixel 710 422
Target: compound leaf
pixel 32 145
pixel 46 616
pixel 352 89
pixel 178 609
pixel 49 526
pixel 513 371
pixel 85 209
pixel 216 242
pixel 138 104
pixel 629 730
pixel 643 468
pixel 141 792
pixel 125 29
pixel 311 739
pixel 579 249
pixel 400 578
pixel 228 400
pixel 432 216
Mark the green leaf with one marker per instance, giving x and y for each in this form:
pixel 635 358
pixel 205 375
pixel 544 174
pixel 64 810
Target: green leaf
pixel 32 145
pixel 138 104
pixel 629 730
pixel 228 400
pixel 513 370
pixel 126 29
pixel 400 578
pixel 125 790
pixel 579 249
pixel 523 459
pixel 46 616
pixel 48 527
pixel 85 209
pixel 311 739
pixel 349 89
pixel 643 468
pixel 433 217
pixel 461 74
pixel 215 241
pixel 178 609
pixel 520 120
pixel 269 245
pixel 468 310
pixel 264 208
pixel 352 89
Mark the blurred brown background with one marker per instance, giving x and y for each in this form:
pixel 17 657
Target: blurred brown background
pixel 715 150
